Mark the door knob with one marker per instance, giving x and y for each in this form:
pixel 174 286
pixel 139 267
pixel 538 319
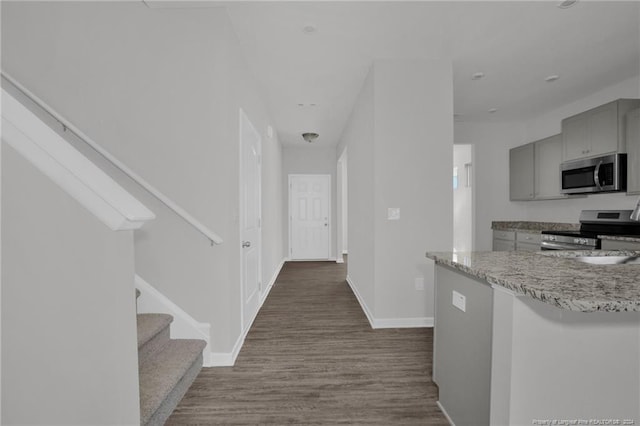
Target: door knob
pixel 246 244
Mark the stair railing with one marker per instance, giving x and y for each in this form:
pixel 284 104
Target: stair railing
pixel 69 127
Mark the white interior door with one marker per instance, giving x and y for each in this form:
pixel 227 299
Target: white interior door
pixel 309 216
pixel 250 227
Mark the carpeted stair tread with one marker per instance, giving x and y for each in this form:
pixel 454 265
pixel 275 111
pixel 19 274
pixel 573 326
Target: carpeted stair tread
pixel 149 325
pixel 160 374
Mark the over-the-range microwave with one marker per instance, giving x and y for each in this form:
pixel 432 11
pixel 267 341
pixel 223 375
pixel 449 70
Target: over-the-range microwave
pixel 607 173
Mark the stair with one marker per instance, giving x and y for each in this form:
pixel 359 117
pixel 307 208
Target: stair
pixel 167 367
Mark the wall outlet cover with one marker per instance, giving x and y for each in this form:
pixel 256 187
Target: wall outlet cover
pixel 393 213
pixel 459 301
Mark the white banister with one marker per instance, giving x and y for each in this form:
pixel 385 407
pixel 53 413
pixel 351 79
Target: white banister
pixel 67 167
pixel 68 126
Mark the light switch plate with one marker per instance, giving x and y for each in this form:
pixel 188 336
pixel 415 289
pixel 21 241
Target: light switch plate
pixel 459 301
pixel 393 213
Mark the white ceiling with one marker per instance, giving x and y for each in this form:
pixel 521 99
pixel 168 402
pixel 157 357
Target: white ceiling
pixel 516 44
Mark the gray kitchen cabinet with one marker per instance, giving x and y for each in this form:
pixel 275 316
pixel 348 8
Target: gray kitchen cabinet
pixel 620 245
pixel 504 240
pixel 534 170
pixel 462 346
pixel 547 159
pixel 527 241
pixel 633 151
pixel 521 172
pixel 596 131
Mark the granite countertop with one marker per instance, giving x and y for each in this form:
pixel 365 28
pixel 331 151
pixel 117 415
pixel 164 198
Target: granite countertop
pixel 629 238
pixel 553 277
pixel 533 227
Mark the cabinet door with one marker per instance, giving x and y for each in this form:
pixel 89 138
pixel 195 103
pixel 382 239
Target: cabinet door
pixel 633 151
pixel 503 245
pixel 548 156
pixel 521 173
pixel 574 137
pixel 602 129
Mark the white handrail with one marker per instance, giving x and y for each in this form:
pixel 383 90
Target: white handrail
pixel 212 236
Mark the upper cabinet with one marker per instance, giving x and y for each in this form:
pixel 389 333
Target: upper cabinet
pixel 534 170
pixel 633 151
pixel 521 173
pixel 597 131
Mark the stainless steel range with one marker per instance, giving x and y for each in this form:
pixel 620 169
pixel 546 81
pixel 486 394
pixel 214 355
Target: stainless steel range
pixel 592 224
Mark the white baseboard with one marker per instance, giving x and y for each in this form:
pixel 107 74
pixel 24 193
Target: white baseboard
pixel 445 413
pixel 184 326
pixel 228 359
pixel 389 322
pixel 363 305
pixel 403 322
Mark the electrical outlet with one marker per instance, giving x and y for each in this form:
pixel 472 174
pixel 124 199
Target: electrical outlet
pixel 419 283
pixel 459 301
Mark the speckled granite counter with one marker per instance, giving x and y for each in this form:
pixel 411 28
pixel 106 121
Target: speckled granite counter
pixel 553 277
pixel 533 227
pixel 628 238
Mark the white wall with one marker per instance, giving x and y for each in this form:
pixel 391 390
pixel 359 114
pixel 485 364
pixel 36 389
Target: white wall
pixel 358 138
pixel 312 161
pixel 492 142
pixel 400 142
pixel 413 158
pixel 68 315
pixel 160 89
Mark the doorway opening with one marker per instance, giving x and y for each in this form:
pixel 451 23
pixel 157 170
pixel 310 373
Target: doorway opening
pixel 463 198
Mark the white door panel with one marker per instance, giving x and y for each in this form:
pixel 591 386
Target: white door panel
pixel 309 205
pixel 250 231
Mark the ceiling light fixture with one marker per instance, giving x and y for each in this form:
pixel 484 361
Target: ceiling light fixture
pixel 566 4
pixel 309 29
pixel 310 136
pixel 492 110
pixel 551 78
pixel 477 76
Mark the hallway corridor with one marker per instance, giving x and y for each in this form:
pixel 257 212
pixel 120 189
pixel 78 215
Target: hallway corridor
pixel 311 357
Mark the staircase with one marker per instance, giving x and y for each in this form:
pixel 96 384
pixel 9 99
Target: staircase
pixel 167 367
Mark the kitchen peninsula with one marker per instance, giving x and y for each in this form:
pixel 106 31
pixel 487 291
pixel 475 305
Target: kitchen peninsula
pixel 523 338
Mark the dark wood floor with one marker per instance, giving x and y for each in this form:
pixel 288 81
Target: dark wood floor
pixel 312 358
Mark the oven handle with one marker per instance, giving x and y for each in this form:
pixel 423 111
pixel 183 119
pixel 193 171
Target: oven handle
pixel 596 178
pixel 562 246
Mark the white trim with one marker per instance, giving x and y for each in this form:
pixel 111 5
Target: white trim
pixel 345 252
pixel 421 322
pixel 272 281
pixel 377 323
pixel 184 326
pixel 340 260
pixel 117 163
pixel 69 169
pixel 228 359
pixel 363 305
pixel 446 415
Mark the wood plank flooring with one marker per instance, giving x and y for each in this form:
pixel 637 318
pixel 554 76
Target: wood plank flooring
pixel 312 358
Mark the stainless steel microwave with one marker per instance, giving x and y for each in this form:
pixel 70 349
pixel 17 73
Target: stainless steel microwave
pixel 599 174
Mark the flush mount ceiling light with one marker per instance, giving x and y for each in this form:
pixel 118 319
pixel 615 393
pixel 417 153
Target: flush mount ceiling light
pixel 309 29
pixel 551 78
pixel 492 110
pixel 566 4
pixel 477 76
pixel 310 137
